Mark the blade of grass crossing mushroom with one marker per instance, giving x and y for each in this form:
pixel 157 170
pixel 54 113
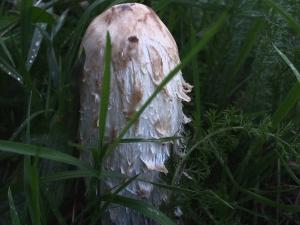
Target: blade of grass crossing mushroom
pixel 103 106
pixel 15 220
pixel 142 207
pixel 122 186
pixel 84 173
pixel 73 174
pixel 194 51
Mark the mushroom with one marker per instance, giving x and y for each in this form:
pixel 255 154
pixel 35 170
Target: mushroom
pixel 143 53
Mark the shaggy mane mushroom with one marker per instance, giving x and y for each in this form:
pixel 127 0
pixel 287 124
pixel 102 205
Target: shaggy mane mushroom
pixel 143 53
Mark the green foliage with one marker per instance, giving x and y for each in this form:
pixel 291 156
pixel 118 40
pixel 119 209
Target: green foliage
pixel 240 158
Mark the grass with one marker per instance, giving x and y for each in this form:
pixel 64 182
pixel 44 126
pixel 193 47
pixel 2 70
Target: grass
pixel 240 163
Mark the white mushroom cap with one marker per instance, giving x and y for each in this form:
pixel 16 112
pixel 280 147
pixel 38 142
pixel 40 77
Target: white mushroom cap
pixel 143 53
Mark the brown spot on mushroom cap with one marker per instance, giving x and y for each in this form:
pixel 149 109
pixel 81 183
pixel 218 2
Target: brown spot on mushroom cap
pixel 133 39
pixel 113 133
pixel 108 18
pixel 109 15
pixel 120 56
pixel 136 97
pixel 126 7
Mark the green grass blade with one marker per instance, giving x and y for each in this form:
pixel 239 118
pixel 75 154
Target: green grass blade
pixel 10 71
pixel 85 173
pixel 287 104
pixel 26 121
pixel 71 175
pixel 26 27
pixel 288 169
pixel 292 97
pixel 35 45
pixel 288 62
pixel 266 201
pixel 221 200
pixel 119 188
pixel 291 22
pixel 28 126
pixel 155 140
pixel 32 191
pixel 249 43
pixel 195 146
pixel 196 79
pixel 6 51
pixel 15 220
pixel 199 46
pixel 103 106
pixel 60 22
pixel 7 21
pixel 41 152
pixel 39 15
pixel 142 207
pixel 54 208
pixel 253 195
